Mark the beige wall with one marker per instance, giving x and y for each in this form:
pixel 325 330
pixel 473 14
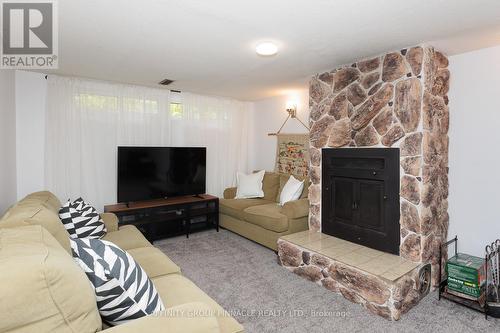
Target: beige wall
pixel 7 139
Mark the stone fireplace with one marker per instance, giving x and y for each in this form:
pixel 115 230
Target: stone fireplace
pixel 397 100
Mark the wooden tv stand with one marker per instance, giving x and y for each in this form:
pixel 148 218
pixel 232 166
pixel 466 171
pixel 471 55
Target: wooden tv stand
pixel 153 217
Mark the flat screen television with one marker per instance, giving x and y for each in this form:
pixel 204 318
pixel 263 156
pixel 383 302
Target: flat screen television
pixel 146 173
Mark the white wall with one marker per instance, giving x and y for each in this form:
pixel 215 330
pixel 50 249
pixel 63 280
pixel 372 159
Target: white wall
pixel 267 117
pixel 474 200
pixel 31 89
pixel 7 139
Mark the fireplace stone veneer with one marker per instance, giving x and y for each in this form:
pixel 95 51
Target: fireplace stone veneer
pixel 384 284
pixel 395 100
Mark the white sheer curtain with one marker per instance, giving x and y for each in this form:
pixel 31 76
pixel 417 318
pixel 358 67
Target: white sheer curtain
pixel 87 120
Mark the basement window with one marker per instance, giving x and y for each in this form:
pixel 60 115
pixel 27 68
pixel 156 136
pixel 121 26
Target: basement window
pixel 176 110
pixel 97 102
pixel 140 105
pixel 114 103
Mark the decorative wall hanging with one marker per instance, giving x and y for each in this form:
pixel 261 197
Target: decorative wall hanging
pixel 292 154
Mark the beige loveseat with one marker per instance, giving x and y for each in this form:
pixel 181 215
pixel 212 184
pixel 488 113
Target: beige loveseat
pixel 43 290
pixel 263 220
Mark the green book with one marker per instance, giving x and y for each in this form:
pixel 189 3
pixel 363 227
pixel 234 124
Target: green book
pixel 466 274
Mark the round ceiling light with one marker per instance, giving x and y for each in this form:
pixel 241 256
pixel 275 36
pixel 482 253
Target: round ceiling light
pixel 266 49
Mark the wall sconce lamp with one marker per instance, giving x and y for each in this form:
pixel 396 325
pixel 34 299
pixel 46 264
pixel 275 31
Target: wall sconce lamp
pixel 291 109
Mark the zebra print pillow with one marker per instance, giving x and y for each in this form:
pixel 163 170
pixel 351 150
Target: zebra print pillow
pixel 81 220
pixel 123 290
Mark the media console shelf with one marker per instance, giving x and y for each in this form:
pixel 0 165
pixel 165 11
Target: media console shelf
pixel 166 217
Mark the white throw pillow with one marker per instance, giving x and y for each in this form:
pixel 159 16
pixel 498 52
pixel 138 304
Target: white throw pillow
pixel 249 186
pixel 291 191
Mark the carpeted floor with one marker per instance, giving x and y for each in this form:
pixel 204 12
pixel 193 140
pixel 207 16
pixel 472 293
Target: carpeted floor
pixel 245 278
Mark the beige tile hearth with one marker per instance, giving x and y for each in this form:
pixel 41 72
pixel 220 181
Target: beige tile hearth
pixel 385 265
pixel 304 237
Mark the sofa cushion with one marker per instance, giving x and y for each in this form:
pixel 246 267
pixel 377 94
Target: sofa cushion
pixel 47 198
pixel 305 191
pixel 127 237
pixel 267 216
pixel 123 289
pixel 270 185
pixel 229 193
pixel 235 207
pixel 42 288
pixel 186 318
pixel 154 262
pixel 296 209
pixel 110 221
pixel 175 290
pixel 37 209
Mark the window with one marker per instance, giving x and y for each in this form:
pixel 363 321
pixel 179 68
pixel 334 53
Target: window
pixel 176 110
pixel 97 102
pixel 110 103
pixel 140 105
pixel 209 114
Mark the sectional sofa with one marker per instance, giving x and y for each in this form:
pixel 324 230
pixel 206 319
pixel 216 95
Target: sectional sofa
pixel 43 290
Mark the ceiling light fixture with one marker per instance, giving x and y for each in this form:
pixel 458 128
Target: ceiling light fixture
pixel 266 49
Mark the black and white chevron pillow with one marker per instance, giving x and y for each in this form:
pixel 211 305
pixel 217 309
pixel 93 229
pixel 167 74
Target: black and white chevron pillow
pixel 80 204
pixel 123 290
pixel 81 220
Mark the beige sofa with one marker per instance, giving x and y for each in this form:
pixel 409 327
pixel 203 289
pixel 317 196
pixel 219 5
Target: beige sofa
pixel 263 220
pixel 43 290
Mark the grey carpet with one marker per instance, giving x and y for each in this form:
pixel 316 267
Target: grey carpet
pixel 243 276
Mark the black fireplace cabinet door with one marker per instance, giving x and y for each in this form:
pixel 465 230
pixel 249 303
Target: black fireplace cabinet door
pixel 360 197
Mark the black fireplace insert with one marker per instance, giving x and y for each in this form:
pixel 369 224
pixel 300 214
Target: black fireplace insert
pixel 360 196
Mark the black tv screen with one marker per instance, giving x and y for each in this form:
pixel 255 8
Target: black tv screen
pixel 159 172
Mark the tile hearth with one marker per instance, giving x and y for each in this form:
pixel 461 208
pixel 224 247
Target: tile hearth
pixel 384 265
pixel 385 284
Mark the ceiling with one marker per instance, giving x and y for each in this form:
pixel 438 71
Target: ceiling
pixel 208 47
